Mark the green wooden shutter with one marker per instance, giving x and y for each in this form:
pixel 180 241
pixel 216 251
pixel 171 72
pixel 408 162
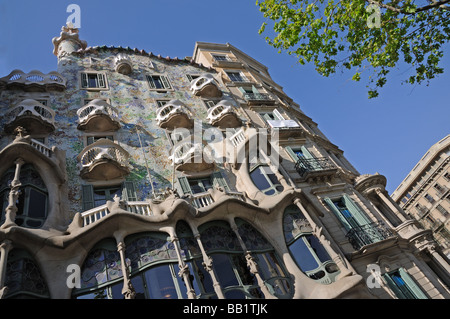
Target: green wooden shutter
pixel 242 90
pixel 291 153
pixel 338 214
pixel 306 153
pixel 412 284
pixel 359 215
pixel 218 179
pixel 87 192
pixel 129 191
pixel 184 185
pixel 278 114
pixel 84 81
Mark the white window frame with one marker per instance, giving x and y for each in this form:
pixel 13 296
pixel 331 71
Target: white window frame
pixel 102 80
pixel 245 79
pixel 167 85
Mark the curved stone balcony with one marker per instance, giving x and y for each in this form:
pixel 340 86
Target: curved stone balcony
pixel 103 160
pixel 223 115
pixel 173 114
pixel 98 116
pixel 34 81
pixel 123 64
pixel 33 116
pixel 189 156
pixel 205 86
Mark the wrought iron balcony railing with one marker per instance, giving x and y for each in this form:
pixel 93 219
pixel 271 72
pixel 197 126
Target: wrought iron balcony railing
pixel 368 234
pixel 315 164
pixel 257 97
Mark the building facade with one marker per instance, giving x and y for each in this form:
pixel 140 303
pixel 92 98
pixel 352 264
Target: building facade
pixel 424 193
pixel 125 174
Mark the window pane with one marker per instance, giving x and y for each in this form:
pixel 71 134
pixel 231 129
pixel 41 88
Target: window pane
pixel 160 283
pixel 92 80
pixel 259 179
pixel 318 248
pixel 157 82
pixel 138 286
pixel 99 197
pixel 302 255
pixel 37 204
pixel 246 276
pixel 116 291
pixel 224 270
pixel 180 282
pixel 195 187
pixel 203 276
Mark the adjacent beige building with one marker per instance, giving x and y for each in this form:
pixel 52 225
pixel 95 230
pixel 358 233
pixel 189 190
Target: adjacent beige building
pixel 425 193
pixel 124 174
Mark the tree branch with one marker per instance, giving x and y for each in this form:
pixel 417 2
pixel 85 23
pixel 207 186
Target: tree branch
pixel 433 5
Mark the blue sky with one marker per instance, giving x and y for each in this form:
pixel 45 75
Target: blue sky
pixel 388 134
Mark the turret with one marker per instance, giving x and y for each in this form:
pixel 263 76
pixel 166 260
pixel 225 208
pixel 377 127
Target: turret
pixel 68 41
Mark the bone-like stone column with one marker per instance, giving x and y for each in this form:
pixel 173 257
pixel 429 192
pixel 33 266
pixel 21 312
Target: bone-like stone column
pixel 207 263
pixel 251 263
pixel 184 269
pixel 11 209
pixel 5 248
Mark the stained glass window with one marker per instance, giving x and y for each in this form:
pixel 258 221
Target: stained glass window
pixel 23 277
pixel 32 203
pixel 101 266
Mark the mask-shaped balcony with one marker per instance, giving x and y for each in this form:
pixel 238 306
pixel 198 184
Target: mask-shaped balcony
pixel 98 116
pixel 173 114
pixel 223 115
pixel 205 86
pixel 123 64
pixel 103 160
pixel 35 81
pixel 33 116
pixel 188 156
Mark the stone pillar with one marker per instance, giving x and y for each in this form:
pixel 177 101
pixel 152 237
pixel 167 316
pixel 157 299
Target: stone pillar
pixel 439 259
pixel 5 248
pixel 184 269
pixel 317 230
pixel 251 263
pixel 207 263
pixel 11 209
pixel 390 203
pixel 128 290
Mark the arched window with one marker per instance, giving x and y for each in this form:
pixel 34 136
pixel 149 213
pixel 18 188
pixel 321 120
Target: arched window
pixel 101 273
pixel 269 266
pixel 23 277
pixel 230 265
pixel 306 249
pixel 154 266
pixel 265 180
pixel 32 204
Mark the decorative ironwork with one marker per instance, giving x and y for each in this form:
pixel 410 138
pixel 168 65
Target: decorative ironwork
pixel 368 234
pixel 308 165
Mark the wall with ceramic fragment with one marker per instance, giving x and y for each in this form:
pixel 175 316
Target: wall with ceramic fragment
pixel 148 145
